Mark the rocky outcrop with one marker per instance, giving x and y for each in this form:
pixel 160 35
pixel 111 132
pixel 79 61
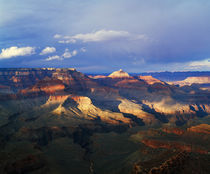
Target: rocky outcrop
pixel 55 99
pixel 82 106
pixel 119 74
pixel 129 107
pixel 150 80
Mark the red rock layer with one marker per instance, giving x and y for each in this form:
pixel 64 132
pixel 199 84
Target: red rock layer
pixel 48 85
pixel 176 131
pixel 202 128
pixel 172 145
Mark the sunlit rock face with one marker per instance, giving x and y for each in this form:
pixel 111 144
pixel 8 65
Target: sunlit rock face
pixel 193 80
pixel 197 80
pixel 202 128
pixel 82 106
pixel 150 80
pixel 119 74
pixel 130 107
pixel 56 99
pixel 47 85
pixel 169 106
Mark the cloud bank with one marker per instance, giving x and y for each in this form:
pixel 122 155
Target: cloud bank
pixel 15 51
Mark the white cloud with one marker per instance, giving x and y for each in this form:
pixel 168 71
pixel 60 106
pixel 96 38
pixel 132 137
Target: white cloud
pixel 57 36
pixel 74 53
pixel 67 41
pixel 83 49
pixel 102 35
pixel 15 51
pixel 67 54
pixel 48 50
pixel 199 64
pixel 56 57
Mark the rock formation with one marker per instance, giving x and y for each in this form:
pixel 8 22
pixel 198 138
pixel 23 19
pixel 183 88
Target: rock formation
pixel 150 80
pixel 202 128
pixel 119 74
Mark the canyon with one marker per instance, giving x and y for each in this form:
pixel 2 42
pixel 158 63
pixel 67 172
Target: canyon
pixel 58 119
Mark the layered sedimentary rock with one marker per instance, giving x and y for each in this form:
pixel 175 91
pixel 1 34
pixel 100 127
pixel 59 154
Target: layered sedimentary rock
pixel 20 78
pixel 47 85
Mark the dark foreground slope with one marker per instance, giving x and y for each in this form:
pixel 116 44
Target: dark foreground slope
pixel 62 121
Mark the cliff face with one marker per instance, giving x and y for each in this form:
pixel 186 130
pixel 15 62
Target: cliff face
pixel 47 85
pixel 130 107
pixel 22 78
pixel 82 106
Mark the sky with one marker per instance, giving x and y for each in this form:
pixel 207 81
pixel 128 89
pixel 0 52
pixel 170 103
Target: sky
pixel 100 36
